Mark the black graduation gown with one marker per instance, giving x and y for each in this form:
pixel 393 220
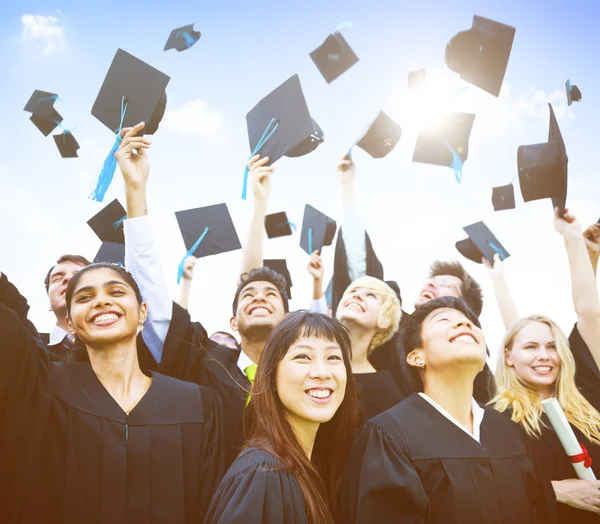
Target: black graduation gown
pixel 70 454
pixel 412 464
pixel 549 449
pixel 190 355
pixel 257 490
pixel 376 393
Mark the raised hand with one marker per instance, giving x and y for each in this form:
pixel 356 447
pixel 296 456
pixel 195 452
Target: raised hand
pixel 497 269
pixel 568 225
pixel 315 266
pixel 188 267
pixel 346 170
pixel 259 173
pixel 132 156
pixel 592 238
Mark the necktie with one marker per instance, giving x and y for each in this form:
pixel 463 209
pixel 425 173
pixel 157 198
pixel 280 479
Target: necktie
pixel 250 372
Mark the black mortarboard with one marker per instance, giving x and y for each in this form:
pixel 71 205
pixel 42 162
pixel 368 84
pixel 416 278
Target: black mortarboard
pixel 220 237
pixel 67 145
pixel 481 243
pixel 278 225
pixel 182 38
pixel 279 265
pixel 573 93
pixel 480 55
pixel 543 168
pixel 334 57
pixel 503 197
pixel 318 230
pixel 138 85
pixel 108 223
pixel 111 252
pixel 416 79
pixel 381 137
pixel 46 125
pixel 41 103
pixel 447 144
pixel 284 110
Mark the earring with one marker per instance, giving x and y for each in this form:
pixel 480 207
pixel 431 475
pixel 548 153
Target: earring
pixel 140 328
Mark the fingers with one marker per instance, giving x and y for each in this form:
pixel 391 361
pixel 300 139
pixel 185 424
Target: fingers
pixel 132 131
pixel 256 161
pixel 344 164
pixel 134 142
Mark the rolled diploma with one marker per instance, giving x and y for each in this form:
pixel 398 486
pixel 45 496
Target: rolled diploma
pixel 566 436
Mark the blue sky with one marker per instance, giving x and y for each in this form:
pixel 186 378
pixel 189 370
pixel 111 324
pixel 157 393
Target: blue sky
pixel 414 213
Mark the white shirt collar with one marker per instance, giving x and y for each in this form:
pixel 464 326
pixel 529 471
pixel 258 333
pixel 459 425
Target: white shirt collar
pixel 57 335
pixel 476 409
pixel 244 361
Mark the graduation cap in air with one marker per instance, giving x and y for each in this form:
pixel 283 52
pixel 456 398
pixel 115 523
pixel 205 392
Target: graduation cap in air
pixel 278 225
pixel 207 231
pixel 481 243
pixel 43 114
pixel 46 125
pixel 132 92
pixel 334 56
pixel 182 38
pixel 111 252
pixel 279 265
pixel 318 230
pixel 417 79
pixel 108 223
pixel 543 168
pixel 446 144
pixel 66 144
pixel 503 197
pixel 573 93
pixel 381 136
pixel 281 125
pixel 480 55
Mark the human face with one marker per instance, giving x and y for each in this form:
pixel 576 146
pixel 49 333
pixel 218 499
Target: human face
pixel 361 306
pixel 260 308
pixel 311 380
pixel 448 338
pixel 534 357
pixel 104 309
pixel 439 286
pixel 59 279
pixel 224 340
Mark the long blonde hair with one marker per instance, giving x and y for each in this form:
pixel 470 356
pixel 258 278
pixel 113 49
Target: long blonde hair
pixel 525 402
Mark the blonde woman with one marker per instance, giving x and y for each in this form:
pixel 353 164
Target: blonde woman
pixel 537 363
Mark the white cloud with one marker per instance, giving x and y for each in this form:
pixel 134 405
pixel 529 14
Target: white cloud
pixel 193 118
pixel 43 31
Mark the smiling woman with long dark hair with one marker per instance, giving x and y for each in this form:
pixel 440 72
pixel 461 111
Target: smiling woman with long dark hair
pixel 100 441
pixel 303 404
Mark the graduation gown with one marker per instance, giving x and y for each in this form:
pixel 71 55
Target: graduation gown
pixel 70 454
pixel 257 490
pixel 411 464
pixel 376 393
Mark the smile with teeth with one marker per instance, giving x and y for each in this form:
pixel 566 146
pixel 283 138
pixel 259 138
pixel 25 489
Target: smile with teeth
pixel 319 393
pixel 355 306
pixel 463 339
pixel 262 310
pixel 427 294
pixel 105 318
pixel 542 369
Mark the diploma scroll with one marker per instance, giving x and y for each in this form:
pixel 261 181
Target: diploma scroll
pixel 578 454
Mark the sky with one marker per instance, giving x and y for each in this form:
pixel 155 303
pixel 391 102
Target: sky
pixel 414 213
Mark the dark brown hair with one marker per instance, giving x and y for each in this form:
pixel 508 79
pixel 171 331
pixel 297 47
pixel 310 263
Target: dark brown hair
pixel 470 290
pixel 76 259
pixel 262 274
pixel 319 478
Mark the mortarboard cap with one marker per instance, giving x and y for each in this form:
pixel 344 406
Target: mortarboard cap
pixel 283 117
pixel 46 125
pixel 573 93
pixel 481 243
pixel 503 197
pixel 480 55
pixel 334 56
pixel 134 88
pixel 67 145
pixel 279 265
pixel 417 79
pixel 182 38
pixel 318 230
pixel 221 236
pixel 41 103
pixel 447 144
pixel 278 225
pixel 111 252
pixel 543 168
pixel 108 223
pixel 381 137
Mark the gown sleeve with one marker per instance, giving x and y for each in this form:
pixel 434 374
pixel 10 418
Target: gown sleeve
pixel 587 376
pixel 258 493
pixel 380 484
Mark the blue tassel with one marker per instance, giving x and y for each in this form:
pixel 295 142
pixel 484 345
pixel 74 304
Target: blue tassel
pixel 261 142
pixel 291 224
pixel 107 173
pixel 457 163
pixel 310 249
pixel 349 153
pixel 118 223
pixel 497 250
pixel 569 86
pixel 189 39
pixel 190 253
pixel 343 25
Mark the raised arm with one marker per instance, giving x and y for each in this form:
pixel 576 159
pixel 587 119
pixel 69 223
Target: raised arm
pixel 252 251
pixel 583 283
pixel 186 282
pixel 316 271
pixel 142 257
pixel 592 242
pixel 505 302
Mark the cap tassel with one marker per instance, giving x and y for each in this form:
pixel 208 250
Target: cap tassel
pixel 261 142
pixel 116 225
pixel 343 25
pixel 310 249
pixel 110 164
pixel 189 254
pixel 457 163
pixel 497 250
pixel 288 223
pixel 52 97
pixel 189 39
